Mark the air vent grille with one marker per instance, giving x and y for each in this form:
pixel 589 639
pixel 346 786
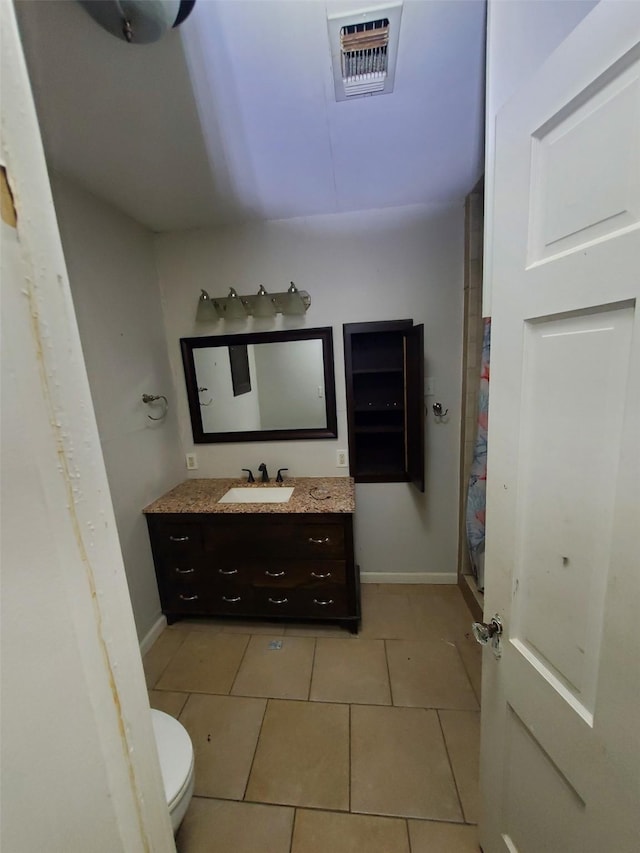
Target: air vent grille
pixel 364 54
pixel 364 48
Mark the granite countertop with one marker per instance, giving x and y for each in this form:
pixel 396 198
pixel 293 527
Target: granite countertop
pixel 310 494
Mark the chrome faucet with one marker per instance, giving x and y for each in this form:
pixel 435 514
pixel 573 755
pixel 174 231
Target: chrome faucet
pixel 265 474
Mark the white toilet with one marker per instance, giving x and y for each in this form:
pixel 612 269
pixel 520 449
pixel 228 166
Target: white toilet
pixel 176 763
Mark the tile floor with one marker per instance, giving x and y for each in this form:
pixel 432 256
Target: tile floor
pixel 334 743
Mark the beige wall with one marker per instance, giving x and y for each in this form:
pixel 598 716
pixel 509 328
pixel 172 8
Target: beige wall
pixel 113 279
pixel 382 265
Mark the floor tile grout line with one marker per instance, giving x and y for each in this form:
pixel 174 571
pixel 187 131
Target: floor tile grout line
pixel 244 654
pixel 350 759
pixel 331 810
pixel 171 657
pixel 466 672
pixel 453 775
pixel 406 826
pixel 313 666
pixel 293 827
pixel 368 703
pixel 184 705
pixel 255 750
pixel 386 657
pixel 466 669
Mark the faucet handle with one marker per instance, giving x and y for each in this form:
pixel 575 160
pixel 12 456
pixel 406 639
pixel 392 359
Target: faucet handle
pixel 250 478
pixel 279 478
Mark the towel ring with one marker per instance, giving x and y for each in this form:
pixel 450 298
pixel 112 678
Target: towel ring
pixel 200 390
pixel 152 398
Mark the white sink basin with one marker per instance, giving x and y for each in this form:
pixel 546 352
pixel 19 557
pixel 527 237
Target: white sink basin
pixel 245 495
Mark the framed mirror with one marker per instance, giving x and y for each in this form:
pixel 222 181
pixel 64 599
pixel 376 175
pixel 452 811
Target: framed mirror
pixel 262 386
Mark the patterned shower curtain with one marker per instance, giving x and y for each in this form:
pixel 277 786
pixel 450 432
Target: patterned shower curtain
pixel 476 495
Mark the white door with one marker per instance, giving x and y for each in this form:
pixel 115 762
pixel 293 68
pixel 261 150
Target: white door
pixel 560 756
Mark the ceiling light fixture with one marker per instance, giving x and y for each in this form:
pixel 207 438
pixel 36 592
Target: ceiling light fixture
pixel 138 21
pixel 233 306
pixel 262 305
pixel 292 302
pixel 207 311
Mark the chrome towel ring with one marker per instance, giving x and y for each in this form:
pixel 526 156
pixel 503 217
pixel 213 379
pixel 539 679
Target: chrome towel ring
pixel 153 398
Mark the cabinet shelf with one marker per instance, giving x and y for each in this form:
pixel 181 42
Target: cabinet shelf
pixel 380 475
pixel 373 370
pixel 387 409
pixel 379 429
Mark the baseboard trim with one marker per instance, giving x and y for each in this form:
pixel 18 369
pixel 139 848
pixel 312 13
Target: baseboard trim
pixel 152 635
pixel 409 577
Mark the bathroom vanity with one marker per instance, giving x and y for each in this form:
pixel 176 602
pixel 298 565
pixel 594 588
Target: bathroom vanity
pixel 292 560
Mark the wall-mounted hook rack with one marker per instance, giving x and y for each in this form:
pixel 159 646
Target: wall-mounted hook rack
pixel 153 398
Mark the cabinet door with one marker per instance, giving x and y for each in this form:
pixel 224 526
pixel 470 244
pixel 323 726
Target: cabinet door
pixel 414 405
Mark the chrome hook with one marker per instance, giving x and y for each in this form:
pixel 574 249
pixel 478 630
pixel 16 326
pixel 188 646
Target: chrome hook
pixel 438 411
pixel 152 398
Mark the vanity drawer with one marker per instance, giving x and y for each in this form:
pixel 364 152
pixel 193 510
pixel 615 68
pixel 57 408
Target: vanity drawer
pixel 230 600
pixel 327 602
pixel 290 575
pixel 177 538
pixel 183 569
pixel 206 600
pixel 209 570
pixel 316 541
pixel 184 600
pixel 267 539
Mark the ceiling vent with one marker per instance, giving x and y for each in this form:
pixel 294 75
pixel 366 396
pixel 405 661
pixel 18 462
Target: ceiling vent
pixel 364 47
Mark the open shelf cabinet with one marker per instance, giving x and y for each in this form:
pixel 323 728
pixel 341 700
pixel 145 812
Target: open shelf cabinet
pixel 384 367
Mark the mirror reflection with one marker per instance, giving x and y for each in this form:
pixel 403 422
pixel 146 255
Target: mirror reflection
pixel 265 386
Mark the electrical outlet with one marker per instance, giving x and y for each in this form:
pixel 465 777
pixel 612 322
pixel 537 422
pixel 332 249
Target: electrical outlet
pixel 192 461
pixel 341 459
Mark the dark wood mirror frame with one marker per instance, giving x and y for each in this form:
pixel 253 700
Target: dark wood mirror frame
pixel 324 334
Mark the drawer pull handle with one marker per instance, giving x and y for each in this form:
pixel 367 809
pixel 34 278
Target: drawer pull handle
pixel 323 603
pixel 322 541
pixel 320 574
pixel 188 597
pixel 231 599
pixel 274 574
pixel 278 600
pixel 230 572
pixel 179 538
pixel 184 571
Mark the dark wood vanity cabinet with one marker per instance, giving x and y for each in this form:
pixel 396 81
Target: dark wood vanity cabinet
pixel 256 566
pixel 384 371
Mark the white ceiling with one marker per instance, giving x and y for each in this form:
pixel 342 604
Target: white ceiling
pixel 233 117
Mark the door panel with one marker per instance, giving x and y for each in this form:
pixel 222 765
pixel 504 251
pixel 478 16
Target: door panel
pixel 543 812
pixel 560 754
pixel 585 176
pixel 574 378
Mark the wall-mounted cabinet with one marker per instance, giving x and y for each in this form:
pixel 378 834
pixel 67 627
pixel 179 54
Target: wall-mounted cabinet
pixel 384 367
